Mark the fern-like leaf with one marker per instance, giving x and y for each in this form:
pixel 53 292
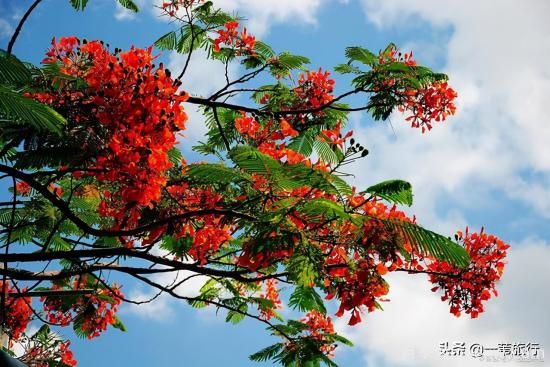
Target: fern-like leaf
pixel 430 243
pixel 394 191
pixel 25 111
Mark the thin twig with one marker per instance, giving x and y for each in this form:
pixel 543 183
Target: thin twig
pixel 20 25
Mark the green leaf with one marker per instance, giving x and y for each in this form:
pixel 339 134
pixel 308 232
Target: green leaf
pixel 391 46
pixel 306 299
pixel 287 62
pixel 325 152
pixel 79 4
pixel 42 157
pixel 394 191
pixel 235 317
pixel 78 326
pixel 21 110
pixel 339 339
pixel 191 38
pixel 267 353
pixel 188 38
pixel 362 55
pixel 302 270
pixel 397 67
pixel 324 208
pixel 13 71
pixel 42 333
pixel 209 290
pixel 302 144
pixel 118 324
pixel 215 173
pixel 341 186
pixel 175 156
pixel 297 175
pixel 212 18
pixel 253 161
pixel 264 50
pixel 430 243
pixel 167 42
pixel 347 69
pixel 176 246
pixel 129 4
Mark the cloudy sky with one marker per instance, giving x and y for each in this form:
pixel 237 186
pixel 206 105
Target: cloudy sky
pixel 489 165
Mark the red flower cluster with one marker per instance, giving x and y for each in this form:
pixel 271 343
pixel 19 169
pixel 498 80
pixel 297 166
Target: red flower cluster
pixel 335 136
pixel 359 288
pixel 97 310
pixel 393 55
pixel 207 241
pixel 23 188
pixel 208 233
pixel 470 287
pixel 41 356
pixel 243 43
pixel 247 126
pixel 434 103
pixel 314 89
pixel 263 259
pixel 270 139
pixel 354 274
pixel 271 294
pixel 139 111
pixel 18 312
pixel 318 326
pixel 66 355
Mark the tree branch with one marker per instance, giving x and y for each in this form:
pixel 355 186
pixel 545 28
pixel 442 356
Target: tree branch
pixel 85 227
pixel 20 25
pixel 174 265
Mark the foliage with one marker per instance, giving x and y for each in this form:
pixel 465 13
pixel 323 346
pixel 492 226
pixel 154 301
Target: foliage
pixel 89 143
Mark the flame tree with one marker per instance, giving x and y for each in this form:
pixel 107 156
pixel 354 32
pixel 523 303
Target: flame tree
pixel 97 186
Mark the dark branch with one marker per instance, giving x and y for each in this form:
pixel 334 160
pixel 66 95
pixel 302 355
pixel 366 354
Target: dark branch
pixel 85 227
pixel 174 265
pixel 53 293
pixel 212 103
pixel 20 25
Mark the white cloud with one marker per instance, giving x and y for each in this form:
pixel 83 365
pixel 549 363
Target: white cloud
pixel 161 308
pixel 262 14
pixel 5 28
pixel 203 77
pixel 17 348
pixel 123 14
pixel 497 60
pixel 158 309
pixel 408 332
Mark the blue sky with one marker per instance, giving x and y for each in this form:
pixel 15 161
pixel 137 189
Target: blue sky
pixel 489 165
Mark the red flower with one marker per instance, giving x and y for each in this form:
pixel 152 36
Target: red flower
pixel 287 130
pixel 466 289
pixel 139 111
pixel 23 188
pixel 242 43
pixel 18 313
pixel 247 126
pixel 314 89
pixel 434 103
pixel 207 240
pixel 271 294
